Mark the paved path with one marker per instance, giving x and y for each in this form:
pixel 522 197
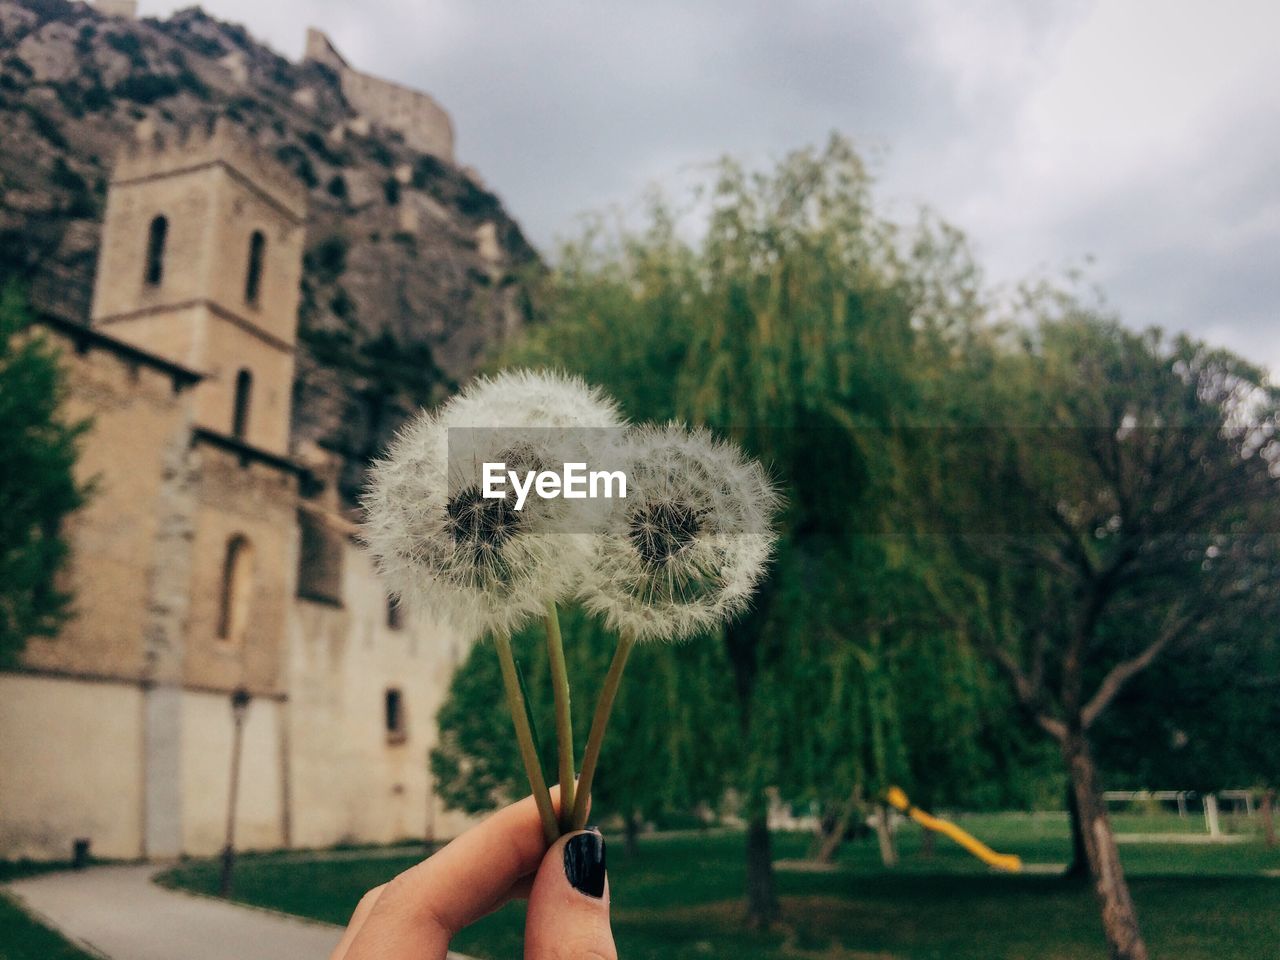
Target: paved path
pixel 119 913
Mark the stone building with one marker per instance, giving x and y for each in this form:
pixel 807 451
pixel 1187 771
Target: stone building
pixel 212 558
pixel 422 122
pixel 118 8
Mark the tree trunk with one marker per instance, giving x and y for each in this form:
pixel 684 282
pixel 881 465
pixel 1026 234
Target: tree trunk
pixel 762 892
pixel 835 828
pixel 830 840
pixel 1078 869
pixel 1119 918
pixel 1269 817
pixel 928 845
pixel 633 833
pixel 742 639
pixel 884 833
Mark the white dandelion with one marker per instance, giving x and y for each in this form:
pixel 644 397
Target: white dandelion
pixel 475 561
pixel 684 551
pixel 467 560
pixel 533 399
pixel 441 545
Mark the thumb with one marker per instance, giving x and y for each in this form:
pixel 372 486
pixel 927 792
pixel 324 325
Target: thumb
pixel 568 916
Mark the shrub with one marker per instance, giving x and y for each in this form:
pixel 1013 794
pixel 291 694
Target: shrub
pixel 129 45
pixel 46 127
pixel 328 259
pixel 297 160
pixel 147 89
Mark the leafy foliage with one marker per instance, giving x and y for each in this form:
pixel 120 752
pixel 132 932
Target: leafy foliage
pixel 668 747
pixel 38 489
pixel 815 333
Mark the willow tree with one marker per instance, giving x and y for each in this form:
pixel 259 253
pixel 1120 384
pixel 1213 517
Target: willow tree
pixel 783 311
pixel 1119 513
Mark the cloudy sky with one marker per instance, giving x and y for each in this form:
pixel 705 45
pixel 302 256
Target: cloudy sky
pixel 1144 134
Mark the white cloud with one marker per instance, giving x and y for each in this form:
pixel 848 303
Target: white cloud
pixel 1139 131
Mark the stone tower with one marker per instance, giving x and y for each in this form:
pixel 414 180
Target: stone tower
pixel 118 8
pixel 200 263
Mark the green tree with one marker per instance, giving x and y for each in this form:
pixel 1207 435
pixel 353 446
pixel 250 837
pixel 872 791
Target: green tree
pixel 804 326
pixel 1120 515
pixel 38 489
pixel 1202 721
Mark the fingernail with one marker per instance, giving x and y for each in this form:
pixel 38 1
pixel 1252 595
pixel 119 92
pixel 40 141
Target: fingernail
pixel 591 828
pixel 584 864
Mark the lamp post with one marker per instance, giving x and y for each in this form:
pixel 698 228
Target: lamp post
pixel 240 698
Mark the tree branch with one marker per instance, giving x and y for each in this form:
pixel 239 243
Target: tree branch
pixel 1027 695
pixel 1126 670
pixel 1029 692
pixel 1052 726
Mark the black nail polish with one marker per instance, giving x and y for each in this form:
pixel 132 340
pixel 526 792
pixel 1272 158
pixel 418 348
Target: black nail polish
pixel 584 864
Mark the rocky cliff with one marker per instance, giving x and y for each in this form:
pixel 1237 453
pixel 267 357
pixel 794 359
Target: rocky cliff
pixel 413 268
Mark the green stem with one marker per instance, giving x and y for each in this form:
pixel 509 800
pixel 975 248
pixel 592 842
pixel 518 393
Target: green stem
pixel 591 755
pixel 524 737
pixel 564 714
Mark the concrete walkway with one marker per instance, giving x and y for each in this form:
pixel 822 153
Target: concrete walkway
pixel 117 912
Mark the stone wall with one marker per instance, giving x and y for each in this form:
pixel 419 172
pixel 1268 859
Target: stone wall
pixel 75 767
pixel 117 8
pixel 352 779
pixel 253 501
pixel 261 815
pixel 425 125
pixel 135 455
pixel 71 752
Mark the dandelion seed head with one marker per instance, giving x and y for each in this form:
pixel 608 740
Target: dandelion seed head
pixel 684 552
pixel 444 547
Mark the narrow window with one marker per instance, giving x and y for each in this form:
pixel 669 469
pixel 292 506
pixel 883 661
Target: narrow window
pixel 320 558
pixel 156 239
pixel 237 577
pixel 253 279
pixel 393 715
pixel 240 414
pixel 395 615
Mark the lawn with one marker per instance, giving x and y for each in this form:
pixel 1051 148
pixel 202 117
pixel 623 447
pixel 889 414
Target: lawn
pixel 22 938
pixel 678 898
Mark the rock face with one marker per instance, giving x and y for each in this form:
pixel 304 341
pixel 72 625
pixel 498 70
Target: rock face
pixel 413 269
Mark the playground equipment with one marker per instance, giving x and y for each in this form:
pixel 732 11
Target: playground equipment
pixel 1008 862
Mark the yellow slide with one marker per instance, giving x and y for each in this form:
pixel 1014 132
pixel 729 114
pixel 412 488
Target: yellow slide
pixel 1001 861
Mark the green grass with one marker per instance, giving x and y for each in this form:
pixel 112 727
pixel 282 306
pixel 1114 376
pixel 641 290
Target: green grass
pixel 22 938
pixel 678 898
pixel 17 869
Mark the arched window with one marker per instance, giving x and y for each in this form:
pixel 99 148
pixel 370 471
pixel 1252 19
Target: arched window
pixel 253 279
pixel 237 587
pixel 395 614
pixel 156 239
pixel 240 413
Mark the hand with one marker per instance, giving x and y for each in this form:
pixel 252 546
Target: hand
pixel 414 916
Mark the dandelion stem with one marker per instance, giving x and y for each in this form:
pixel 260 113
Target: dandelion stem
pixel 564 713
pixel 524 736
pixel 591 755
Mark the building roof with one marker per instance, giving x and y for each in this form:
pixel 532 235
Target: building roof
pixel 86 338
